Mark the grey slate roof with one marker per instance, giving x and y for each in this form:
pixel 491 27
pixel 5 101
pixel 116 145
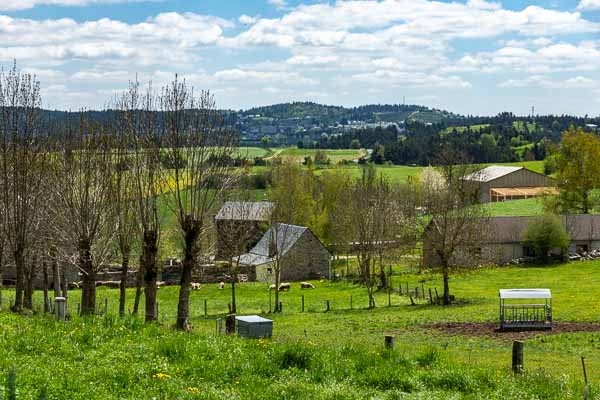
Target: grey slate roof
pixel 491 173
pixel 245 210
pixel 279 239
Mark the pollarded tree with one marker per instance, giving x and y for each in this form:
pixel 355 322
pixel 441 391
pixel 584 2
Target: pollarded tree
pixel 82 211
pixel 202 147
pixel 137 118
pixel 23 151
pixel 123 196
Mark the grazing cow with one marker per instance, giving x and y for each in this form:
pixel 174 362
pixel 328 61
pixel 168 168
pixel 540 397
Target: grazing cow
pixel 195 286
pixel 272 287
pixel 285 287
pixel 74 285
pixel 159 284
pixel 221 285
pixel 306 285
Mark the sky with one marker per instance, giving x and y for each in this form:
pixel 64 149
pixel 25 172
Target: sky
pixel 473 57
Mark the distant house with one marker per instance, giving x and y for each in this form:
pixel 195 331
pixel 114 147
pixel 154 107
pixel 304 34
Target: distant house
pixel 505 241
pixel 300 253
pixel 501 183
pixel 251 218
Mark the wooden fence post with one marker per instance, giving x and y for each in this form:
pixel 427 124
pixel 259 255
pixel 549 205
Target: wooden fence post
pixel 327 302
pixel 423 291
pixel 351 302
pixel 302 303
pixel 390 342
pixel 230 324
pixel 205 307
pixel 389 297
pixel 517 357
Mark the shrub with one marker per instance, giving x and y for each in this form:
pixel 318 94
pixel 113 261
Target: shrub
pixel 544 234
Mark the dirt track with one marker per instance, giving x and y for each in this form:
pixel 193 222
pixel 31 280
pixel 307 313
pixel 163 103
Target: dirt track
pixel 490 329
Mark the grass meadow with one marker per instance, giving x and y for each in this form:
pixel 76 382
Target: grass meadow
pixel 313 354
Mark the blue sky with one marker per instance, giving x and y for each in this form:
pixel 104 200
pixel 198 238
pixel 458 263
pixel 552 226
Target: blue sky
pixel 468 56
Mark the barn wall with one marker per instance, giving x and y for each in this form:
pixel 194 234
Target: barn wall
pixel 520 178
pixel 307 258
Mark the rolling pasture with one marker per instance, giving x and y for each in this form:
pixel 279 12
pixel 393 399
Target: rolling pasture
pixel 315 354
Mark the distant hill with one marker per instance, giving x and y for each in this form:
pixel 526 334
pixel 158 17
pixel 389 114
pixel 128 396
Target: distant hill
pixel 327 114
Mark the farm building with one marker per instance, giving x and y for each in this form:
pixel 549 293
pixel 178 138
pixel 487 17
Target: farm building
pixel 506 242
pixel 240 220
pixel 501 183
pixel 300 254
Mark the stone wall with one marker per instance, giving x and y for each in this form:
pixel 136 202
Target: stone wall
pixel 307 259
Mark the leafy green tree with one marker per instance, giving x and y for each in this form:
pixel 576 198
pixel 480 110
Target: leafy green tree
pixel 578 171
pixel 355 144
pixel 544 234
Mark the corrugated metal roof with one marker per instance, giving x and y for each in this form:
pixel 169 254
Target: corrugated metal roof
pixel 279 239
pixel 245 211
pixel 525 294
pixel 491 173
pixel 581 227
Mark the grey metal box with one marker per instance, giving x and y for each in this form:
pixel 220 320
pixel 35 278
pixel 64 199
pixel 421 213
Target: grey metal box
pixel 253 326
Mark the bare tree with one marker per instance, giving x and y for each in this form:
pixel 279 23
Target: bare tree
pixel 123 195
pixel 377 219
pixel 199 150
pixel 456 221
pixel 83 213
pixel 238 232
pixel 22 154
pixel 137 117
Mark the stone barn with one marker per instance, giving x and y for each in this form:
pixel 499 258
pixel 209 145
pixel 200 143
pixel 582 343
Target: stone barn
pixel 300 253
pixel 506 242
pixel 240 218
pixel 501 183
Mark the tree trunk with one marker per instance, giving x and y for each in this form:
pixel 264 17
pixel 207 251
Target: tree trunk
pixel 88 292
pixel 65 291
pixel 19 284
pixel 46 284
pixel 446 295
pixel 55 278
pixel 123 285
pixel 233 305
pixel 382 274
pixel 1 271
pixel 139 280
pixel 192 231
pixel 277 283
pixel 149 255
pixel 28 290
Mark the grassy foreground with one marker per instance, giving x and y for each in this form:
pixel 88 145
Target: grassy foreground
pixel 313 355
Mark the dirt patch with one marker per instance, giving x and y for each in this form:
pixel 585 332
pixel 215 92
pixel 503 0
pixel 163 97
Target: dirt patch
pixel 490 329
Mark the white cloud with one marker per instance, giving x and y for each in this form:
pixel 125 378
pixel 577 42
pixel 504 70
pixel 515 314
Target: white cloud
pixel 586 5
pixel 278 3
pixel 246 19
pixel 13 5
pixel 253 76
pixel 577 82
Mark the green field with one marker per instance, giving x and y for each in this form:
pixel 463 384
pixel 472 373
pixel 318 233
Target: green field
pixel 316 354
pixel 334 155
pixel 521 208
pixel 252 152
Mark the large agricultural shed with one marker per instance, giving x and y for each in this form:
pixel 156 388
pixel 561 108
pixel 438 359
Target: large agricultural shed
pixel 500 183
pixel 300 254
pixel 505 241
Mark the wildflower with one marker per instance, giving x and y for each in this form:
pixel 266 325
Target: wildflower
pixel 161 376
pixel 193 389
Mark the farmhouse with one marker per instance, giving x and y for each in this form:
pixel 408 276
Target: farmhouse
pixel 239 218
pixel 506 242
pixel 501 183
pixel 300 254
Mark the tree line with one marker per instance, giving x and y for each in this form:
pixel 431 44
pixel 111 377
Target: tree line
pixel 81 190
